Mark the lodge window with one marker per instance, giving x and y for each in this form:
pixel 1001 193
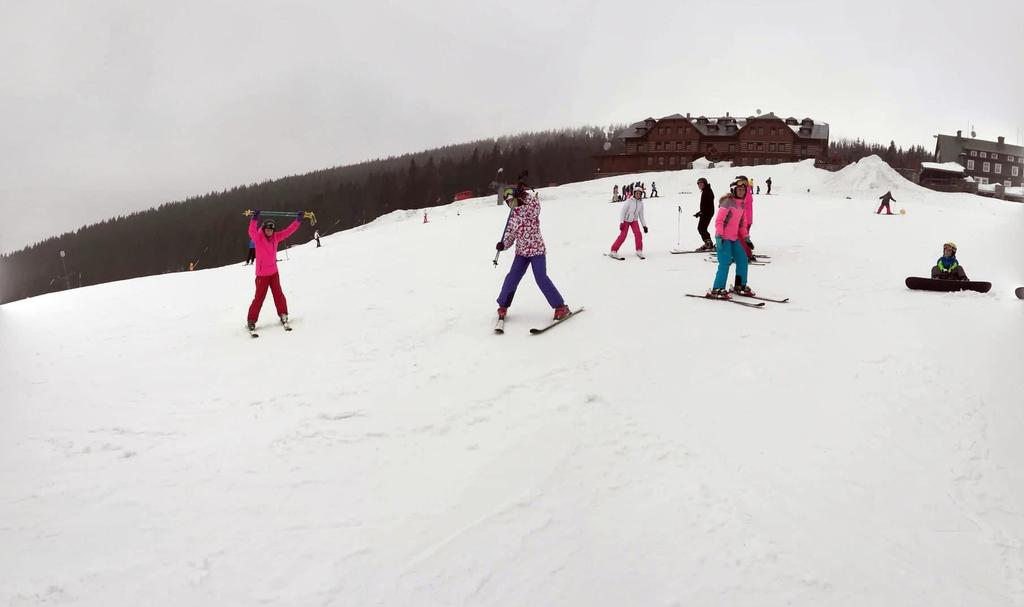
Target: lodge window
pixel 657 147
pixel 679 146
pixel 1015 171
pixel 680 131
pixel 986 167
pixel 640 147
pixel 732 147
pixel 771 147
pixel 995 156
pixel 1009 158
pixel 974 153
pixel 760 147
pixel 1007 183
pixel 970 165
pixel 999 169
pixel 757 160
pixel 760 130
pixel 661 160
pixel 803 149
pixel 650 161
pixel 672 160
pixel 983 155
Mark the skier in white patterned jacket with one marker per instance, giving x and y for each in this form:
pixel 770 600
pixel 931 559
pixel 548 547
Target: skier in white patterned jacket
pixel 631 217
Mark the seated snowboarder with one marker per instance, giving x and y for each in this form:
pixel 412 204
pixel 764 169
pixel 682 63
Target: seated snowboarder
pixel 948 268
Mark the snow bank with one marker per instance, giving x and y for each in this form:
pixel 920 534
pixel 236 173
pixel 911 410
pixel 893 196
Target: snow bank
pixel 859 445
pixel 951 167
pixel 869 174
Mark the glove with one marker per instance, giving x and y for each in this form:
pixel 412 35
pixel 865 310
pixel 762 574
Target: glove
pixel 645 229
pixel 256 215
pixel 300 215
pixel 697 214
pixel 500 246
pixel 750 244
pixel 622 226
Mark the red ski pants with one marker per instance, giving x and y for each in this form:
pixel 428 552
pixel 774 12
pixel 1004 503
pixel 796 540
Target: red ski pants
pixel 637 235
pixel 272 282
pixel 884 205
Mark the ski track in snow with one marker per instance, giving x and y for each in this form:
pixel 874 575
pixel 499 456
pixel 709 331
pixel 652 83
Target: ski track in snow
pixel 859 445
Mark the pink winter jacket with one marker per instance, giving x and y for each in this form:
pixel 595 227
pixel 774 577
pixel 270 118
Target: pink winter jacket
pixel 524 229
pixel 266 248
pixel 748 206
pixel 731 221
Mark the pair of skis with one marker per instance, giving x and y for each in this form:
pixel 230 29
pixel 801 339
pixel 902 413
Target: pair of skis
pixel 499 327
pixel 254 334
pixel 747 304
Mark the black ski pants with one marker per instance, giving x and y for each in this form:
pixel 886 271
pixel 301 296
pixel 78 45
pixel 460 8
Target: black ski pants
pixel 702 227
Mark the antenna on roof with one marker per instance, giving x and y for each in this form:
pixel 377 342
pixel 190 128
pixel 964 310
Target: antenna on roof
pixel 973 134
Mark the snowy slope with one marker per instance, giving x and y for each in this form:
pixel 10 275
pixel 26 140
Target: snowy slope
pixel 858 446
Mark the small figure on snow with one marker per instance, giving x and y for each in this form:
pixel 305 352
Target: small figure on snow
pixel 252 253
pixel 768 182
pixel 730 229
pixel 705 214
pixel 615 194
pixel 947 267
pixel 266 239
pixel 523 229
pixel 316 237
pixel 886 199
pixel 631 217
pixel 654 190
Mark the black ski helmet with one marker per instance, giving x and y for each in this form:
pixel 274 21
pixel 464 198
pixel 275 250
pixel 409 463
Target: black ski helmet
pixel 269 223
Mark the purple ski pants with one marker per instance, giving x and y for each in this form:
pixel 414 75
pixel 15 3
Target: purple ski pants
pixel 540 274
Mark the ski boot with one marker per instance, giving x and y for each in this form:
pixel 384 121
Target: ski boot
pixel 640 254
pixel 561 312
pixel 501 313
pixel 718 294
pixel 744 290
pixel 708 247
pixel 250 325
pixel 284 319
pixel 615 255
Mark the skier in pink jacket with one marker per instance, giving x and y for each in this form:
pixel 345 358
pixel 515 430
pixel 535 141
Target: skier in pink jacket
pixel 748 213
pixel 266 238
pixel 730 230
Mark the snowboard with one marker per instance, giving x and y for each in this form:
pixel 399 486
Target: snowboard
pixel 936 284
pixel 1019 292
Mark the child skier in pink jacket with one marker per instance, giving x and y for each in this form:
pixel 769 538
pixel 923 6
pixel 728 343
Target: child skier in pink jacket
pixel 266 238
pixel 730 229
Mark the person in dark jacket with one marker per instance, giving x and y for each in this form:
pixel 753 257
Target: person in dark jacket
pixel 768 182
pixel 705 214
pixel 948 268
pixel 252 252
pixel 886 199
pixel 654 190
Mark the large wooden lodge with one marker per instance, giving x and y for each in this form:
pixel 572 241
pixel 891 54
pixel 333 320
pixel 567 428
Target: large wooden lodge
pixel 675 141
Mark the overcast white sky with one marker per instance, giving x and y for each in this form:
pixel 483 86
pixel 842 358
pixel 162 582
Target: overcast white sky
pixel 112 106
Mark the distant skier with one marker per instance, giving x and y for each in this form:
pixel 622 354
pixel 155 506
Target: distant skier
pixel 705 214
pixel 615 194
pixel 252 252
pixel 886 199
pixel 947 267
pixel 266 239
pixel 768 182
pixel 523 229
pixel 316 236
pixel 631 217
pixel 654 190
pixel 730 229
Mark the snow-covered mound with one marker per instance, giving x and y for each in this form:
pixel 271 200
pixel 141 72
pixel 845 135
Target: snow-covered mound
pixel 859 445
pixel 869 174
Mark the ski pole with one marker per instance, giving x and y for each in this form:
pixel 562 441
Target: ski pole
pixel 679 215
pixel 497 254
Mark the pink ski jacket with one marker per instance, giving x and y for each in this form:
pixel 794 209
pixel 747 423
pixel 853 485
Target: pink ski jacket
pixel 266 248
pixel 524 229
pixel 731 221
pixel 748 206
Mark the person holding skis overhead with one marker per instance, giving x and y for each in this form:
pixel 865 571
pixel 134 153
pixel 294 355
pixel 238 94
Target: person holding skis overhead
pixel 886 199
pixel 266 238
pixel 947 267
pixel 523 229
pixel 631 217
pixel 730 229
pixel 705 214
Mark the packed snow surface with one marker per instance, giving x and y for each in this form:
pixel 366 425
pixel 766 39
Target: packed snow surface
pixel 860 445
